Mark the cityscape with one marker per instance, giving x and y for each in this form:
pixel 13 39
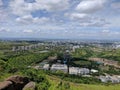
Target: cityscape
pixel 59 44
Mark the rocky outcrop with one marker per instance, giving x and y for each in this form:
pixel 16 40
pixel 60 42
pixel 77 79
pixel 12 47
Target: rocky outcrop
pixel 16 83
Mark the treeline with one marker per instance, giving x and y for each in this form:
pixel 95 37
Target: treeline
pixel 21 62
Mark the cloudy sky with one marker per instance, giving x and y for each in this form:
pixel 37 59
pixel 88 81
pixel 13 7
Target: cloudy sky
pixel 73 19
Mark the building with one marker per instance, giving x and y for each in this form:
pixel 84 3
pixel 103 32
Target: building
pixel 73 70
pixel 93 71
pixel 108 78
pixel 60 67
pixel 75 47
pixel 78 71
pixel 83 71
pixel 13 48
pixel 46 66
pixel 104 79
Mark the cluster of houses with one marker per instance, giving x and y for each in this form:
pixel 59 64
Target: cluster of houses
pixel 22 48
pixel 72 70
pixel 79 71
pixel 108 78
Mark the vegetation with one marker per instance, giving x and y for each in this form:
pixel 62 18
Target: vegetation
pixel 55 82
pixel 74 78
pixel 12 63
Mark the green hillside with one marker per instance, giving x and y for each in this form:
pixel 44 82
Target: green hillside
pixel 74 86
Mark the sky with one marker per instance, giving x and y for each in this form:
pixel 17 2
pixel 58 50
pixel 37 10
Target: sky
pixel 60 19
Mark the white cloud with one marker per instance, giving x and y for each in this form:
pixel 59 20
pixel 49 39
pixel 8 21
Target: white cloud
pixel 84 14
pixel 20 7
pixel 52 5
pixel 116 5
pixel 106 31
pixel 90 6
pixel 41 20
pixel 109 33
pixel 3 15
pixel 94 24
pixel 2 29
pixel 1 3
pixel 28 19
pixel 27 31
pixel 87 20
pixel 51 27
pixel 117 33
pixel 3 12
pixel 79 16
pixel 24 9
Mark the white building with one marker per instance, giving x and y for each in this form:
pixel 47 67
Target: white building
pixel 104 79
pixel 46 66
pixel 78 71
pixel 73 70
pixel 117 46
pixel 61 67
pixel 83 71
pixel 75 47
pixel 113 79
pixel 94 71
pixel 13 48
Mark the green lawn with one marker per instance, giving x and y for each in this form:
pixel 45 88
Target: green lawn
pixel 73 86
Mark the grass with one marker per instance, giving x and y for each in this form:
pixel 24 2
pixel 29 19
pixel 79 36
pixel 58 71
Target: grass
pixel 74 86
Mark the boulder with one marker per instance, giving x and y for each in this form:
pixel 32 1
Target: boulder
pixel 18 81
pixel 6 85
pixel 30 86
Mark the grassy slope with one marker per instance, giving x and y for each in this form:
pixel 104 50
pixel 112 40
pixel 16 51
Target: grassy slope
pixel 73 86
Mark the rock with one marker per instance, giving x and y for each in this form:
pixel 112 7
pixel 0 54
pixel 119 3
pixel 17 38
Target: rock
pixel 18 81
pixel 30 86
pixel 6 85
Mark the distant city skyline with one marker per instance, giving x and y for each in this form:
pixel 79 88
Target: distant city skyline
pixel 61 19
